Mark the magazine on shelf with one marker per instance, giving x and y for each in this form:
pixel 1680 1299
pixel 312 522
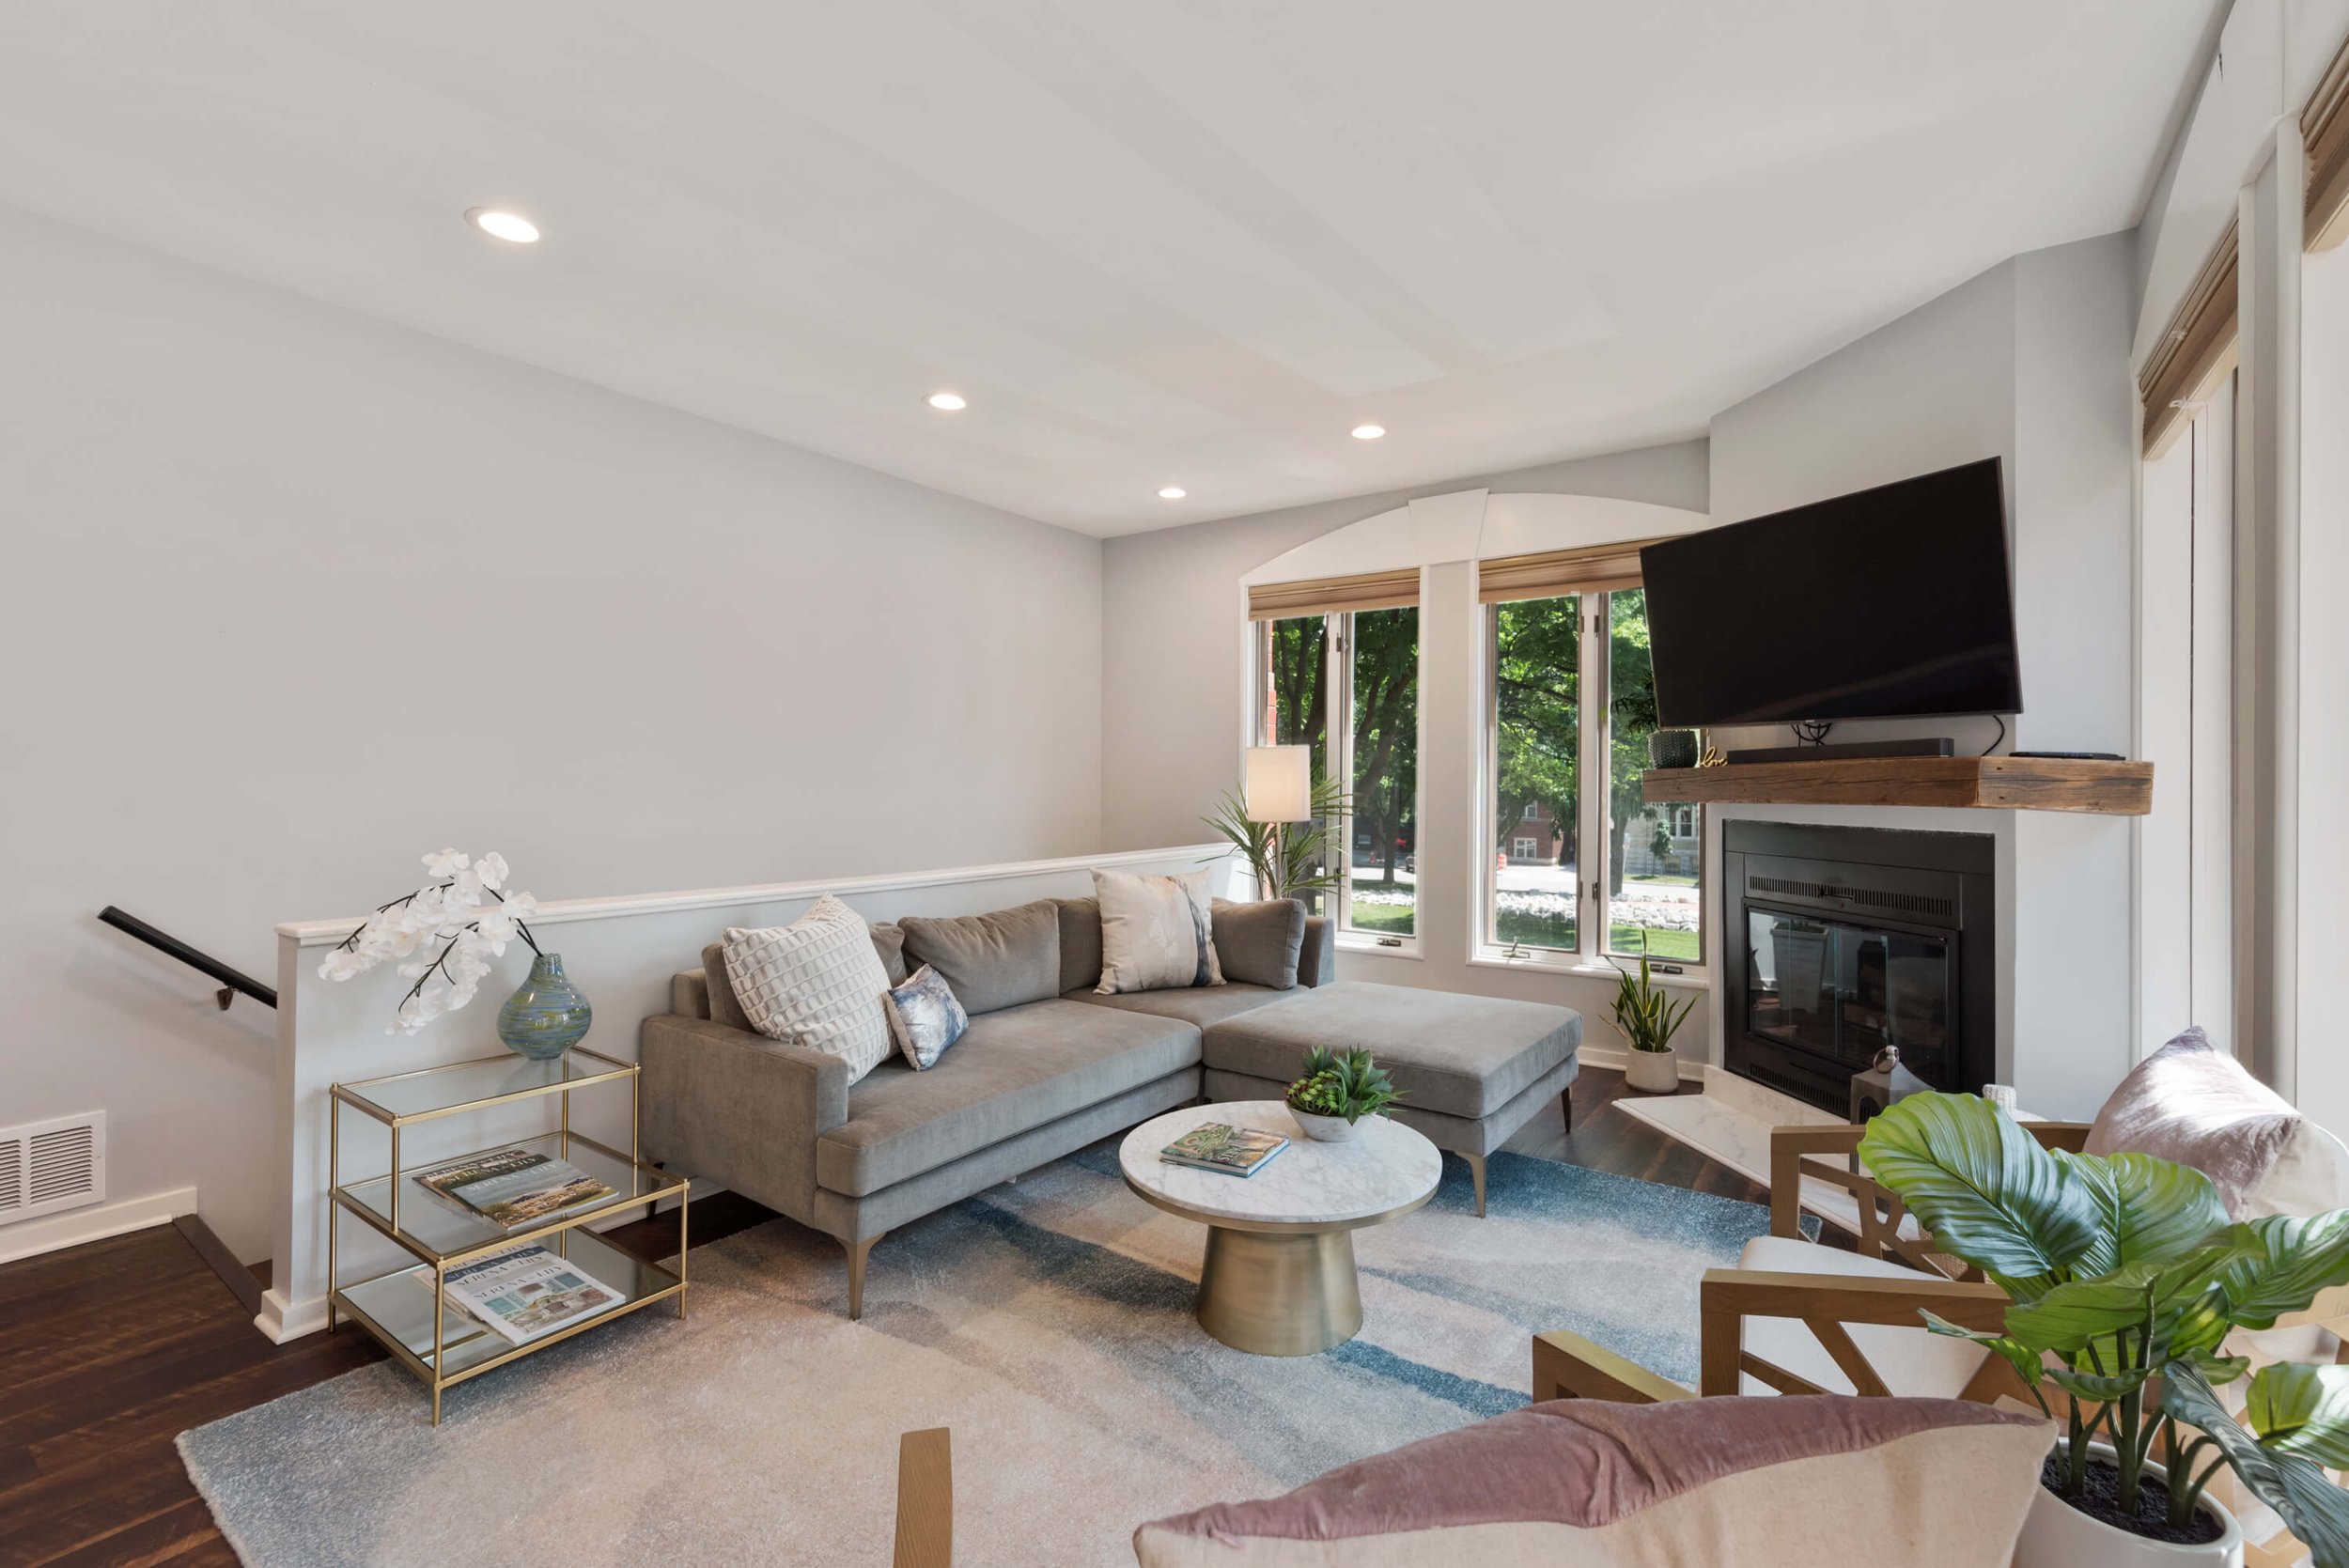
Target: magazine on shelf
pixel 528 1293
pixel 511 1188
pixel 1223 1148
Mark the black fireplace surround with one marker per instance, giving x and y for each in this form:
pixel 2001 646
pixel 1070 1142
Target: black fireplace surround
pixel 1843 940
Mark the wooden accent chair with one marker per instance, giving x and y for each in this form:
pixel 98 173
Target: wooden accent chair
pixel 1849 1320
pixel 1795 1317
pixel 926 1499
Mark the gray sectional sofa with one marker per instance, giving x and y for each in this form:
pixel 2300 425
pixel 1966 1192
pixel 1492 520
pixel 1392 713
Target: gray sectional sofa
pixel 1049 1065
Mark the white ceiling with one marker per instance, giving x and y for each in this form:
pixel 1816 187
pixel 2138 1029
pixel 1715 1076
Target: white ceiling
pixel 1154 241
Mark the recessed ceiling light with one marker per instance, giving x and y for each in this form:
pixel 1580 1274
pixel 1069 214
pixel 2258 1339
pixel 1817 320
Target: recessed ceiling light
pixel 504 225
pixel 1172 492
pixel 1369 433
pixel 950 401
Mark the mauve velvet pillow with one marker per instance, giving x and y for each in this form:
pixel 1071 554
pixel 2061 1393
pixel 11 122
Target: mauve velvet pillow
pixel 1726 1483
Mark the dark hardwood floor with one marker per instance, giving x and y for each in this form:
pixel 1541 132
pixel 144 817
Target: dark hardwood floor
pixel 109 1351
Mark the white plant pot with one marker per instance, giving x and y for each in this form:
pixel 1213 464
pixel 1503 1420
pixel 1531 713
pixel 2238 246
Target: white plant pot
pixel 1326 1129
pixel 1652 1072
pixel 2056 1535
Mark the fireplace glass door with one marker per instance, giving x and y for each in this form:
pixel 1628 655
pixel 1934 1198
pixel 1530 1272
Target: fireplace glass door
pixel 1843 992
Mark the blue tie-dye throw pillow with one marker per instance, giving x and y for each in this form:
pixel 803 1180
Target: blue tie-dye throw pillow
pixel 924 1019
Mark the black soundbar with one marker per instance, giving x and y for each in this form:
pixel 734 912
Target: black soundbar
pixel 1846 750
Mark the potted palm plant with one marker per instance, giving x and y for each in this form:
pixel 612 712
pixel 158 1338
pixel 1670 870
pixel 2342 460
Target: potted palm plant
pixel 1338 1090
pixel 2127 1280
pixel 1292 863
pixel 1647 1018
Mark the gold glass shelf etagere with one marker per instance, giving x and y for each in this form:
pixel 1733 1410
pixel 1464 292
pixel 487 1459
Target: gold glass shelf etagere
pixel 446 1347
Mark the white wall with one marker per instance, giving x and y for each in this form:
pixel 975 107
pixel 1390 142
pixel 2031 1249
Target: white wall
pixel 1171 657
pixel 293 595
pixel 2027 362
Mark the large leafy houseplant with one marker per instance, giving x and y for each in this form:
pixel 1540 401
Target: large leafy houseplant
pixel 2126 1279
pixel 1297 861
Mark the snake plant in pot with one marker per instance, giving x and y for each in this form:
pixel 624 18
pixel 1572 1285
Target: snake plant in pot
pixel 2127 1280
pixel 1646 1016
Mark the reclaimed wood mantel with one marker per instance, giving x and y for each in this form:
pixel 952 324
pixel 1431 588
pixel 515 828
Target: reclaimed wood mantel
pixel 1998 782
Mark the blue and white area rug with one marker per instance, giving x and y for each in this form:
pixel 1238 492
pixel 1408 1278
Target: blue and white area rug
pixel 1048 1324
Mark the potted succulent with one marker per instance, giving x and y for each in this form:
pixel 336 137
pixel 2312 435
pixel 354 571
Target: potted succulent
pixel 1337 1092
pixel 1647 1019
pixel 2127 1280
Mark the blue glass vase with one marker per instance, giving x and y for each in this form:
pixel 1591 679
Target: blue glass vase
pixel 547 1016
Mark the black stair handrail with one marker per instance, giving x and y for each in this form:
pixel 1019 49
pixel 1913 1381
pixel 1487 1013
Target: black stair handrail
pixel 232 981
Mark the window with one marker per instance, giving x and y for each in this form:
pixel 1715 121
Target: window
pixel 1292 660
pixel 1552 755
pixel 1536 654
pixel 1344 680
pixel 1381 886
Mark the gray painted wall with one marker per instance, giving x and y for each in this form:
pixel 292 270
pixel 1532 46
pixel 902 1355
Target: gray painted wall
pixel 293 596
pixel 1172 655
pixel 2029 363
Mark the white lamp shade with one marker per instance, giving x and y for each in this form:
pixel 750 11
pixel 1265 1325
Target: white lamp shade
pixel 1277 784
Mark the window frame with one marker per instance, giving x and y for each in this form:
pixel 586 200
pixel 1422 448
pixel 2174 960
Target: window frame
pixel 1338 762
pixel 1595 717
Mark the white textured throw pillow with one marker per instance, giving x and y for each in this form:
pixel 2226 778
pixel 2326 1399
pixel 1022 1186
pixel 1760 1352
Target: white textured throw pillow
pixel 816 982
pixel 1157 932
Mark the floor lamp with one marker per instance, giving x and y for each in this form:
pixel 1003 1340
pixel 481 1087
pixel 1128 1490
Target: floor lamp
pixel 1277 787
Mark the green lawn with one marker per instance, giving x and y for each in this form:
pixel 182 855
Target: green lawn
pixel 1553 931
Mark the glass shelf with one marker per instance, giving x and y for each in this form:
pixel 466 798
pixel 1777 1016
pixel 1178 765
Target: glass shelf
pixel 398 1308
pixel 419 1096
pixel 433 1228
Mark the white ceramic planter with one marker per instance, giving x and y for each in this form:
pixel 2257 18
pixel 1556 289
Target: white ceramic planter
pixel 2056 1535
pixel 1326 1129
pixel 1652 1072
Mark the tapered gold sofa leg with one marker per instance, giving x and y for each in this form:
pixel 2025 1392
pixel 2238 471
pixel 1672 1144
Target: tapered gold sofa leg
pixel 858 1253
pixel 1476 1169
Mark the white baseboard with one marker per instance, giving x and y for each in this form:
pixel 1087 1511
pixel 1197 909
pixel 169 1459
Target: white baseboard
pixel 31 1237
pixel 1612 1060
pixel 282 1320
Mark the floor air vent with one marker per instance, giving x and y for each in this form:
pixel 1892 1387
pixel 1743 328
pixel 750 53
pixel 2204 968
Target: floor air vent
pixel 49 1166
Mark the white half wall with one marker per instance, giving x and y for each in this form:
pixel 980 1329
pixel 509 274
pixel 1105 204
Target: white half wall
pixel 293 596
pixel 622 952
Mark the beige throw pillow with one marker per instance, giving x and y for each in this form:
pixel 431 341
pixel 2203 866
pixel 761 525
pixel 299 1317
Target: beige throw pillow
pixel 817 983
pixel 1158 933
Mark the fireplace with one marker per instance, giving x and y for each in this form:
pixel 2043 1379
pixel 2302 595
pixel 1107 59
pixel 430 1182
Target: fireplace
pixel 1843 940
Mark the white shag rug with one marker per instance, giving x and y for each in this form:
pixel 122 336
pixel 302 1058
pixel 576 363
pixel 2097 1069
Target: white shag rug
pixel 1048 1324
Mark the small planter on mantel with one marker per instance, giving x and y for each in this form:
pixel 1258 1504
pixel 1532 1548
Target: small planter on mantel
pixel 2056 1535
pixel 1652 1072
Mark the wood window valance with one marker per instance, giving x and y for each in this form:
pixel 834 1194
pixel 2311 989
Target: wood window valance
pixel 2198 348
pixel 1330 595
pixel 1593 569
pixel 2325 130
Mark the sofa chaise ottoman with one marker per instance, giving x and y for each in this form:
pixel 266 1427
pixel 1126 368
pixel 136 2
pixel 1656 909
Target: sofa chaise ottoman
pixel 1049 1065
pixel 1472 1069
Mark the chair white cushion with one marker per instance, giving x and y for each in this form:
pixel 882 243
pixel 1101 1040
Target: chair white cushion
pixel 817 981
pixel 1912 1361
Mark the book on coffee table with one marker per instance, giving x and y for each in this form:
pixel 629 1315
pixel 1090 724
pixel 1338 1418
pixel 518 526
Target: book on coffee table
pixel 1221 1147
pixel 512 1187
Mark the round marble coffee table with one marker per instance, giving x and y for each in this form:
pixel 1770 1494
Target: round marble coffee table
pixel 1278 1279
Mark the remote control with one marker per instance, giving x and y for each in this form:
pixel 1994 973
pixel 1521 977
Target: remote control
pixel 2073 756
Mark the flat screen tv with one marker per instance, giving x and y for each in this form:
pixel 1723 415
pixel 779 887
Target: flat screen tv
pixel 1888 603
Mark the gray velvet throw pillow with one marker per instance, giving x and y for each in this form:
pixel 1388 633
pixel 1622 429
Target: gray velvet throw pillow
pixel 1257 945
pixel 992 961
